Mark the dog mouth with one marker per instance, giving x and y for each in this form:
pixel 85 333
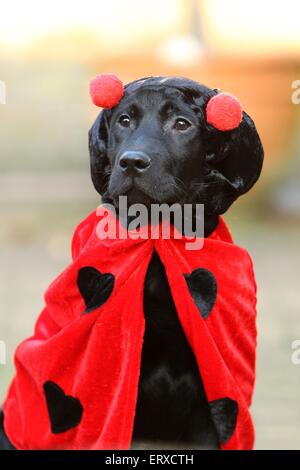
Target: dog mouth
pixel 138 191
pixel 138 196
pixel 132 189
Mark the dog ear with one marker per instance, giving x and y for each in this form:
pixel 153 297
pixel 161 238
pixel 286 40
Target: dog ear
pixel 234 161
pixel 99 163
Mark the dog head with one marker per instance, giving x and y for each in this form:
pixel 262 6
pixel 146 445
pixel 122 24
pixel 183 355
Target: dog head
pixel 157 146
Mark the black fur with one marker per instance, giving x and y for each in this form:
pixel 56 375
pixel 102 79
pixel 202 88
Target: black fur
pixel 5 444
pixel 171 404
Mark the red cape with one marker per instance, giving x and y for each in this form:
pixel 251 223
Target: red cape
pixel 77 377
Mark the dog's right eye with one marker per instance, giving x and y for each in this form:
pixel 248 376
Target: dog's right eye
pixel 124 120
pixel 182 124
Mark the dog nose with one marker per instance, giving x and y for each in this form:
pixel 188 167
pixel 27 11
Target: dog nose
pixel 134 162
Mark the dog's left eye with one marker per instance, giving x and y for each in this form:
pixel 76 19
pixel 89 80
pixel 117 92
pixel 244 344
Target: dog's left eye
pixel 124 120
pixel 181 124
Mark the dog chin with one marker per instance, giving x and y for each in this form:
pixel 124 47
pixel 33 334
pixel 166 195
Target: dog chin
pixel 134 196
pixel 138 194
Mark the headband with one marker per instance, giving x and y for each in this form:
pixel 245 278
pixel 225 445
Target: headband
pixel 223 111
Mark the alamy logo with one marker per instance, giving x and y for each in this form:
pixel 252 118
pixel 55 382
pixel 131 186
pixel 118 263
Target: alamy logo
pixel 295 357
pixel 143 222
pixel 296 94
pixel 2 92
pixel 2 353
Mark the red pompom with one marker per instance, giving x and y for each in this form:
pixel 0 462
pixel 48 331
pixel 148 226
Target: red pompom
pixel 224 112
pixel 106 90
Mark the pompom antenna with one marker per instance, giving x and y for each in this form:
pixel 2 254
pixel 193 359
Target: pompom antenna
pixel 106 90
pixel 224 112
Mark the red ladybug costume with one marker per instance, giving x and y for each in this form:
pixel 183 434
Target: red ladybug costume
pixel 77 377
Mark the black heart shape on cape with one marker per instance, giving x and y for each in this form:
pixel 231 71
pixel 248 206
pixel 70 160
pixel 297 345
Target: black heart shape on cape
pixel 224 413
pixel 65 412
pixel 94 287
pixel 203 288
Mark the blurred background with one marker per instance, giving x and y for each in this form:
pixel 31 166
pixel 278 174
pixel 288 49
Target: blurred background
pixel 48 53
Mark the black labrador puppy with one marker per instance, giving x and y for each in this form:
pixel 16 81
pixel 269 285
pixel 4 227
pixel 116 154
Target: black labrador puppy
pixel 156 147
